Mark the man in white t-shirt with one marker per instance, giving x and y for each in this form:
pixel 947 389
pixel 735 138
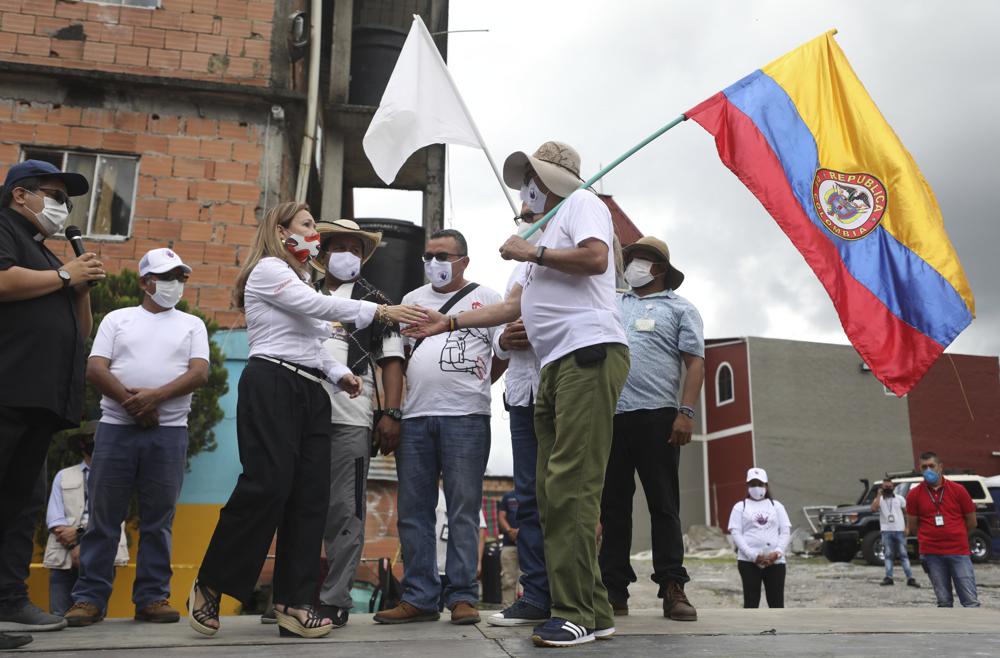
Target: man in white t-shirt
pixel 446 435
pixel 344 248
pixel 571 315
pixel 892 522
pixel 146 361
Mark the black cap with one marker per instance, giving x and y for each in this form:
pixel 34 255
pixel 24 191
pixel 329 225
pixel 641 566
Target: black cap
pixel 76 184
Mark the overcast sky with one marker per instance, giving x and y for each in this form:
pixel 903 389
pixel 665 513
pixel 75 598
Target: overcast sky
pixel 601 76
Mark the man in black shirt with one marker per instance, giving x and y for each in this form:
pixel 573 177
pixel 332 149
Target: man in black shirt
pixel 44 319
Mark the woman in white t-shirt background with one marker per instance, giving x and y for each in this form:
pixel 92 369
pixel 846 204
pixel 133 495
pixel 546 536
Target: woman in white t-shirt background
pixel 283 427
pixel 761 530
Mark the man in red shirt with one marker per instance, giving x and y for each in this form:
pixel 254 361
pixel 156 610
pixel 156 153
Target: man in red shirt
pixel 941 514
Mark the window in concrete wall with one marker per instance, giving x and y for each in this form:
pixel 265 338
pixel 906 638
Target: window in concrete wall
pixel 143 4
pixel 724 384
pixel 106 210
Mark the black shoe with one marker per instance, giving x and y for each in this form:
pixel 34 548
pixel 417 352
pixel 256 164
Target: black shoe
pixel 30 617
pixel 886 581
pixel 8 641
pixel 337 615
pixel 619 603
pixel 912 582
pixel 520 613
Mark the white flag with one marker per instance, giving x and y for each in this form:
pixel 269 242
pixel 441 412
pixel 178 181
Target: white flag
pixel 420 106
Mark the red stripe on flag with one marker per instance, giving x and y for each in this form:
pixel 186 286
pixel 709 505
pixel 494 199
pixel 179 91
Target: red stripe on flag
pixel 897 353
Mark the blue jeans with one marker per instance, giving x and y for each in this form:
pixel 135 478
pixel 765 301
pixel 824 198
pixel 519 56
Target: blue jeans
pixel 454 448
pixel 894 543
pixel 61 583
pixel 530 547
pixel 151 462
pixel 944 570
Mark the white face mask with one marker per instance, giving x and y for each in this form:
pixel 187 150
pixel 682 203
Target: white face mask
pixel 344 265
pixel 523 226
pixel 168 293
pixel 757 493
pixel 438 273
pixel 533 197
pixel 53 215
pixel 637 274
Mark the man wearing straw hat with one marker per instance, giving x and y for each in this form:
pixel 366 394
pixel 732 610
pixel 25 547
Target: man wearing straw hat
pixel 654 418
pixel 567 301
pixel 344 248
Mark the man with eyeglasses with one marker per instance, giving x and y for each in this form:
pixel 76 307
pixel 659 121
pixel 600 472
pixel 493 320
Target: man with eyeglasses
pixel 44 319
pixel 567 301
pixel 146 361
pixel 446 434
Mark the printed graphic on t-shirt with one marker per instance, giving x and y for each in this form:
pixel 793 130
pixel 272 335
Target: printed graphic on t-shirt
pixel 761 518
pixel 454 353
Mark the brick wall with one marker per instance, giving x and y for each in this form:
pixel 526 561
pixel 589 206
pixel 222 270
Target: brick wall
pixel 220 40
pixel 198 186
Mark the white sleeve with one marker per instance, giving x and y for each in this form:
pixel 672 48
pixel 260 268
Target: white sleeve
pixel 333 369
pixel 736 530
pixel 498 351
pixel 589 218
pixel 104 341
pixel 275 282
pixel 784 529
pixel 55 515
pixel 199 340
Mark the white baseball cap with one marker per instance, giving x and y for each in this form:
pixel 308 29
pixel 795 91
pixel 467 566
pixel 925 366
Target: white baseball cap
pixel 757 474
pixel 158 261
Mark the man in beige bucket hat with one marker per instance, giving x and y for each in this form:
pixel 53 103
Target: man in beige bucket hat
pixel 566 298
pixel 344 248
pixel 653 419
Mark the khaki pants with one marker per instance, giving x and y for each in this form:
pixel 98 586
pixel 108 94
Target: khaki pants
pixel 510 571
pixel 574 416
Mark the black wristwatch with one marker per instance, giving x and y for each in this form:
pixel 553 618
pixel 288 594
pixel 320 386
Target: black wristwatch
pixel 393 412
pixel 66 277
pixel 539 255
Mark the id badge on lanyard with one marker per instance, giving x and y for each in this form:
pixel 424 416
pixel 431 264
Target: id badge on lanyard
pixel 939 517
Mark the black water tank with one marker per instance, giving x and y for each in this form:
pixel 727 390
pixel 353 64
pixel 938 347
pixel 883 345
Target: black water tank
pixel 374 51
pixel 396 268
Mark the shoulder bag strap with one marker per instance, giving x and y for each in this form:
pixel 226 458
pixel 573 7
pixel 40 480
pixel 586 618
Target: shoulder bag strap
pixel 447 306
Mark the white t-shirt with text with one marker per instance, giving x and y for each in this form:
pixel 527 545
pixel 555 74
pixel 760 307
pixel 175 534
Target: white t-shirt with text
pixel 449 374
pixel 148 350
pixel 564 312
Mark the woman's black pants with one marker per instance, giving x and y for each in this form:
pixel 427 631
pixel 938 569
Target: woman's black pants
pixel 773 578
pixel 283 431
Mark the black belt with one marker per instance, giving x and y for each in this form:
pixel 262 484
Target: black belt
pixel 313 374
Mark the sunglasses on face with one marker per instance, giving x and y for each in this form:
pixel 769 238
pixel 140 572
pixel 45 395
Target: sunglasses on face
pixel 441 256
pixel 58 195
pixel 172 276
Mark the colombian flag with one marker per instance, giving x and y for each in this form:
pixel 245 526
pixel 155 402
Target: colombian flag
pixel 805 137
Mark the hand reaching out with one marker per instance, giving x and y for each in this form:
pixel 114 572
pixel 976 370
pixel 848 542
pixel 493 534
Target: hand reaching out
pixel 351 384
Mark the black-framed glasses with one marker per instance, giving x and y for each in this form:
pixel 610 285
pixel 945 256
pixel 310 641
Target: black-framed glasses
pixel 59 196
pixel 440 256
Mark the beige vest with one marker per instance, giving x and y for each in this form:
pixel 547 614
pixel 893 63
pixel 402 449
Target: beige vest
pixel 74 500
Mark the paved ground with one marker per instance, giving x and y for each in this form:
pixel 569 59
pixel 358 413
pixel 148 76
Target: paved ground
pixel 834 610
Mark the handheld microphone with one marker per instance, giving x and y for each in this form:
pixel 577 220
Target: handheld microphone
pixel 75 237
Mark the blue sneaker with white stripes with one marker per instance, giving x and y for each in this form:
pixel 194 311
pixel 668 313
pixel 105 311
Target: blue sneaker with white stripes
pixel 558 632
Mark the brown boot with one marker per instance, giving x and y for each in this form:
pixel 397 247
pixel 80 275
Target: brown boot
pixel 83 614
pixel 158 612
pixel 463 613
pixel 676 605
pixel 404 613
pixel 619 604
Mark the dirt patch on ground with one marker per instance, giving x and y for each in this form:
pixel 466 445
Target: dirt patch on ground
pixel 810 583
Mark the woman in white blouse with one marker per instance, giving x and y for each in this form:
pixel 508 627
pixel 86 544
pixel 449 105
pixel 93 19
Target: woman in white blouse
pixel 282 427
pixel 761 530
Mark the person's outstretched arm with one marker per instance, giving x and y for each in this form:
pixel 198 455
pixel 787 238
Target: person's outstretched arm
pixel 491 315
